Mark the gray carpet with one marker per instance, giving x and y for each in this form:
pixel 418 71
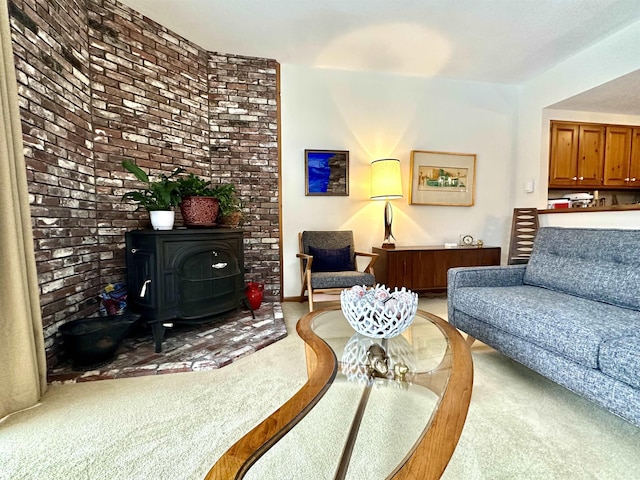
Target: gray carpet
pixel 520 425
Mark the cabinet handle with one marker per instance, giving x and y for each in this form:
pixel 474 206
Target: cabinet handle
pixel 219 265
pixel 134 250
pixel 633 179
pixel 626 179
pixel 581 178
pixel 574 178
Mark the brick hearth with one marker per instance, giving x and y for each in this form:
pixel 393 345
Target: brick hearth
pixel 186 348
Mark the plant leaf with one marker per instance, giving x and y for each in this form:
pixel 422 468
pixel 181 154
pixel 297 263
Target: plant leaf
pixel 136 170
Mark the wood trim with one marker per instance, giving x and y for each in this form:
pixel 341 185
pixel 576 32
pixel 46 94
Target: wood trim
pixel 279 140
pixel 239 458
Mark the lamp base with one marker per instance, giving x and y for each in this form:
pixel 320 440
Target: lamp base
pixel 389 246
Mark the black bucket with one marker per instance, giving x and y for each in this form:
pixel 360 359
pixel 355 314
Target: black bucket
pixel 92 341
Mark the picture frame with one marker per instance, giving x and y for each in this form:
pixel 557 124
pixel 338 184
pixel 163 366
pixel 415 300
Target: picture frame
pixel 326 172
pixel 442 178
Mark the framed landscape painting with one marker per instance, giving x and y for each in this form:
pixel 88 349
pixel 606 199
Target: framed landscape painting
pixel 326 172
pixel 440 178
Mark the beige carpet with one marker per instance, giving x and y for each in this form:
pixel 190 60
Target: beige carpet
pixel 520 425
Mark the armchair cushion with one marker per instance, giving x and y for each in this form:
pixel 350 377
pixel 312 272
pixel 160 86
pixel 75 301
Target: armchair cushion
pixel 322 280
pixel 331 259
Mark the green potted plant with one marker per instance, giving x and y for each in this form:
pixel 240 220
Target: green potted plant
pixel 158 197
pixel 230 204
pixel 198 201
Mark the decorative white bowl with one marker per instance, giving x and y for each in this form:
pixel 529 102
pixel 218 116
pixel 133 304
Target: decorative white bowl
pixel 378 312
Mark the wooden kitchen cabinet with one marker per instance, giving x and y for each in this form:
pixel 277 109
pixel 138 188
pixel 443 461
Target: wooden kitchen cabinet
pixel 634 163
pixel 423 269
pixel 617 158
pixel 576 155
pixel 622 157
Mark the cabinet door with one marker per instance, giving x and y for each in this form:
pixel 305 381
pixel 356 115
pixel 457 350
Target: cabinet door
pixel 634 164
pixel 590 155
pixel 617 156
pixel 563 157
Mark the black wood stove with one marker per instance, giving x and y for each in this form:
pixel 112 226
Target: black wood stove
pixel 184 275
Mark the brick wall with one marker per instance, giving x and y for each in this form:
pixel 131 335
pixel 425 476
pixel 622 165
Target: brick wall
pixel 243 122
pixel 98 82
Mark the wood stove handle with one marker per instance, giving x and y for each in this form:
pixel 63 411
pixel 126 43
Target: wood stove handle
pixel 143 290
pixel 219 265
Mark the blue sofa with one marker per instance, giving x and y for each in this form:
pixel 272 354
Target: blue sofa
pixel 572 313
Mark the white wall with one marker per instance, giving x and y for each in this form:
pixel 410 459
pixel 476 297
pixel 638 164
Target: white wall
pixel 379 115
pixel 609 59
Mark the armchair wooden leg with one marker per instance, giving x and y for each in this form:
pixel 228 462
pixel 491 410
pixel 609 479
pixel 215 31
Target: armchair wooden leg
pixel 309 296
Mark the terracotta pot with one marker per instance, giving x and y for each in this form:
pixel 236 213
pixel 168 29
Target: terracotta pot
pixel 199 211
pixel 254 294
pixel 233 219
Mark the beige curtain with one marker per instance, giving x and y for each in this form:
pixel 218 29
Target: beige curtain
pixel 22 357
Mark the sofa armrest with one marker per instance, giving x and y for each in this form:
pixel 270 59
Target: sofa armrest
pixel 459 277
pixel 507 276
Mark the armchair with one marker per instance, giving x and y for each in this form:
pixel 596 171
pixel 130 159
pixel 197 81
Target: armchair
pixel 328 263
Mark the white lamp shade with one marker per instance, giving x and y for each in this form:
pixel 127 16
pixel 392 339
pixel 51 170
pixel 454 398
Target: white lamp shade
pixel 386 181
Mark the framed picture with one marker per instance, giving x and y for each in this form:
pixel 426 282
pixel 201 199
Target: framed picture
pixel 439 178
pixel 326 172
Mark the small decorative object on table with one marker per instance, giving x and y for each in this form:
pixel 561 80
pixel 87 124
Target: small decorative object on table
pixel 378 312
pixel 466 240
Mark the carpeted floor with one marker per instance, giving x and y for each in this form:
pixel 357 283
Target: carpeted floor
pixel 173 427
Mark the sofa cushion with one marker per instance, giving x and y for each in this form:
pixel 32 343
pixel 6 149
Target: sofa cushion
pixel 568 325
pixel 620 359
pixel 598 264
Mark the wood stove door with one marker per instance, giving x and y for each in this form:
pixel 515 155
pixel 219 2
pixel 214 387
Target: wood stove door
pixel 141 276
pixel 210 281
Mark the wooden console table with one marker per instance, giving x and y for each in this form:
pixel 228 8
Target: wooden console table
pixel 424 269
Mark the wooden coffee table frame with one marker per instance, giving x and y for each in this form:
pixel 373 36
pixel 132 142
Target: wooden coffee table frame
pixel 428 457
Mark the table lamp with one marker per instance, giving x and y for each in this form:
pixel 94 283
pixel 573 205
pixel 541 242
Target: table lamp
pixel 386 183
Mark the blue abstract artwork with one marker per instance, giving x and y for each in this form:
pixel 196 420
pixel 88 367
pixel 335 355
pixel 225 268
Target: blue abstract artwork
pixel 327 172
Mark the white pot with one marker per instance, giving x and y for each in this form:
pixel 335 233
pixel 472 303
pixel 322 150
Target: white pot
pixel 162 219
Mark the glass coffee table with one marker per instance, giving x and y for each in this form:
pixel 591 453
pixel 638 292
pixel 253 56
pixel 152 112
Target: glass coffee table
pixel 371 409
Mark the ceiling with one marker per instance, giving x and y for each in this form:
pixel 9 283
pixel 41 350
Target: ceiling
pixel 503 41
pixel 621 96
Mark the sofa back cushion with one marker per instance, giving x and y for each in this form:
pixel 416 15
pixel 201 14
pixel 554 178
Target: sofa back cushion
pixel 598 264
